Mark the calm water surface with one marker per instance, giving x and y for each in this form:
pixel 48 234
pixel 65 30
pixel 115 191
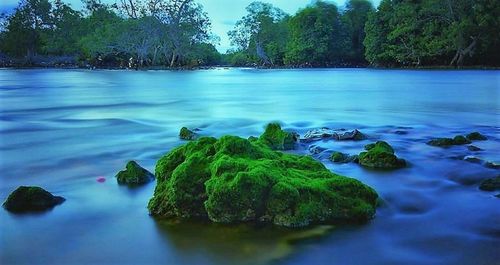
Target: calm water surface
pixel 61 129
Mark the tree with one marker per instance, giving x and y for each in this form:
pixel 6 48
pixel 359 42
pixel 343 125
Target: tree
pixel 262 33
pixel 355 17
pixel 317 36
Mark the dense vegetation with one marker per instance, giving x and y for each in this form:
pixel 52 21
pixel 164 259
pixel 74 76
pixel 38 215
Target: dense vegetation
pixel 175 33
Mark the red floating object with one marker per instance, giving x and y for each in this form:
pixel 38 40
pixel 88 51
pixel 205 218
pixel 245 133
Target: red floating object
pixel 101 179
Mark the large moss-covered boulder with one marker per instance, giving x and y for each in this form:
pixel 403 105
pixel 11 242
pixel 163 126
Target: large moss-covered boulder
pixel 380 155
pixel 277 139
pixel 30 198
pixel 134 175
pixel 232 179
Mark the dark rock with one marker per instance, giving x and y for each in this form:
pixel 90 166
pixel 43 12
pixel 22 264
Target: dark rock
pixel 491 184
pixel 29 198
pixel 460 140
pixel 352 135
pixel 134 175
pixel 473 148
pixel 441 142
pixel 473 159
pixel 340 135
pixel 399 132
pixel 492 165
pixel 380 155
pixel 476 136
pixel 186 134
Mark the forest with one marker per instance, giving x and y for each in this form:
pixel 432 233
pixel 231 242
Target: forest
pixel 177 34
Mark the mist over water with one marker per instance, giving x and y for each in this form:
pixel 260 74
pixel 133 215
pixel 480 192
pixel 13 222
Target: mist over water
pixel 61 129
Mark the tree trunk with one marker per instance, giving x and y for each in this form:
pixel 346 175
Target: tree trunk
pixel 172 61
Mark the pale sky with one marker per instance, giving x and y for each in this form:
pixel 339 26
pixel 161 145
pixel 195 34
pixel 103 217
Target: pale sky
pixel 223 13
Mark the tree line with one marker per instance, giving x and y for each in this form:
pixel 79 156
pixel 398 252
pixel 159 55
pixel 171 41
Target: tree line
pixel 177 33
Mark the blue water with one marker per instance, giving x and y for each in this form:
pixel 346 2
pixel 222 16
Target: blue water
pixel 61 129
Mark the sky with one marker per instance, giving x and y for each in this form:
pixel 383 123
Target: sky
pixel 223 13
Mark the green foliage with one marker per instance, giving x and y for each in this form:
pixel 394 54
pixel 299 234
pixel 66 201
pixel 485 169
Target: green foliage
pixel 166 33
pixel 433 32
pixel 236 180
pixel 457 140
pixel 317 36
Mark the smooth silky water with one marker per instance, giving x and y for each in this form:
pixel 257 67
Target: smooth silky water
pixel 62 129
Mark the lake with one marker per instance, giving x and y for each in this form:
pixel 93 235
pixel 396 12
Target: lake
pixel 62 129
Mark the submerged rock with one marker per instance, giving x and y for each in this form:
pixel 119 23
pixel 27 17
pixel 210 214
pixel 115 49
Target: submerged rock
pixel 380 155
pixel 187 134
pixel 314 149
pixel 457 140
pixel 473 159
pixel 338 157
pixel 473 148
pixel 326 133
pixel 232 179
pixel 30 198
pixel 476 136
pixel 492 165
pixel 134 175
pixel 491 184
pixel 277 139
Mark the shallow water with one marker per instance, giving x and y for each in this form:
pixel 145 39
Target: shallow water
pixel 61 129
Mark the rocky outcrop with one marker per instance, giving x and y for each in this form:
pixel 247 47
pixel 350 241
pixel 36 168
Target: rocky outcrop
pixel 134 175
pixel 31 199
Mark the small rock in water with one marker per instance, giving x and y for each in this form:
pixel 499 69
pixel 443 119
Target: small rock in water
pixel 186 134
pixel 476 136
pixel 134 175
pixel 340 135
pixel 341 158
pixel 352 135
pixel 491 184
pixel 380 155
pixel 493 165
pixel 473 148
pixel 399 132
pixel 30 198
pixel 473 159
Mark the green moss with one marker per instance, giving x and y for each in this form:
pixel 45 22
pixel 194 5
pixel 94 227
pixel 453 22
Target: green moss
pixel 134 175
pixel 491 184
pixel 460 140
pixel 457 140
pixel 186 134
pixel 476 136
pixel 380 155
pixel 338 157
pixel 236 180
pixel 278 139
pixel 29 198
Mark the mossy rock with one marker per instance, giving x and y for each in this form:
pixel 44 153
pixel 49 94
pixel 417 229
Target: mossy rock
pixel 457 140
pixel 277 139
pixel 30 198
pixel 476 136
pixel 380 155
pixel 491 184
pixel 231 179
pixel 187 134
pixel 339 157
pixel 460 140
pixel 134 175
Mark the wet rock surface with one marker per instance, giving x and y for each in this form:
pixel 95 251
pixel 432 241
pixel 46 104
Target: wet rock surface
pixel 134 175
pixel 31 199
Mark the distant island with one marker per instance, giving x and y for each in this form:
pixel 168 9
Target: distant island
pixel 173 34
